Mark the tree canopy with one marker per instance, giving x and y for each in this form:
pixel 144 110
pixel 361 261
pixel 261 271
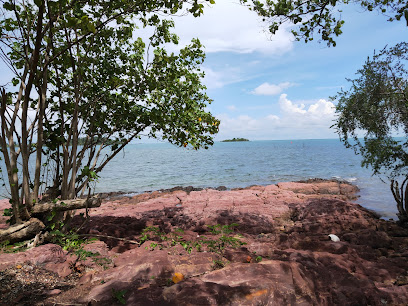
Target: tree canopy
pixel 376 108
pixel 376 105
pixel 323 18
pixel 85 84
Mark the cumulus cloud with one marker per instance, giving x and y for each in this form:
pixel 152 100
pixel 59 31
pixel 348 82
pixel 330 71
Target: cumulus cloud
pixel 232 107
pixel 295 121
pixel 228 26
pixel 290 108
pixel 320 109
pixel 267 89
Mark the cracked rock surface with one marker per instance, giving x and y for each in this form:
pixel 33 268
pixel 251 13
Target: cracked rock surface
pixel 269 246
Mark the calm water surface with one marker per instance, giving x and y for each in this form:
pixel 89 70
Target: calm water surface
pixel 143 167
pixel 239 164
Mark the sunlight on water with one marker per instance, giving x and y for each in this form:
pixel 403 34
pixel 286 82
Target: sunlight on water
pixel 143 167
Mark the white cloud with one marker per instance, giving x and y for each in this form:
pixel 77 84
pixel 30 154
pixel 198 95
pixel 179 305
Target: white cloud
pixel 229 26
pixel 213 79
pixel 232 107
pixel 272 117
pixel 227 75
pixel 320 108
pixel 267 89
pixel 296 121
pixel 288 107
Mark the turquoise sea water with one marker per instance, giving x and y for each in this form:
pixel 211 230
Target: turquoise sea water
pixel 145 167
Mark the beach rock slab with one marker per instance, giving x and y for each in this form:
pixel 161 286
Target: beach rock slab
pixel 261 245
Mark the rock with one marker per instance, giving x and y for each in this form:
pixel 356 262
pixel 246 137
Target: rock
pixel 41 255
pixel 53 292
pixel 282 253
pixel 334 238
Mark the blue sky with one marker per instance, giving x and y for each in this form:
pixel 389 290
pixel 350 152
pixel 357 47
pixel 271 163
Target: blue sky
pixel 274 87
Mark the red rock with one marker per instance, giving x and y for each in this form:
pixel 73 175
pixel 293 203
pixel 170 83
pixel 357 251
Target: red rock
pixel 53 292
pixel 288 257
pixel 41 255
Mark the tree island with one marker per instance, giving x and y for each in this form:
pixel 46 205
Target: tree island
pixel 235 140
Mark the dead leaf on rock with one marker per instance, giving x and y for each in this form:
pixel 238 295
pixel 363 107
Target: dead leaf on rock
pixel 256 294
pixel 178 277
pixel 144 287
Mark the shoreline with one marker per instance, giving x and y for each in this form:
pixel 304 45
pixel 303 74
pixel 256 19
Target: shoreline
pixel 128 194
pixel 259 245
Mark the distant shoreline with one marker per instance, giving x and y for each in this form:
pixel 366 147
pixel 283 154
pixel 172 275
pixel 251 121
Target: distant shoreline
pixel 235 140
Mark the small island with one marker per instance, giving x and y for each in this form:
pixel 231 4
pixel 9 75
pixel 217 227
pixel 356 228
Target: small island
pixel 235 140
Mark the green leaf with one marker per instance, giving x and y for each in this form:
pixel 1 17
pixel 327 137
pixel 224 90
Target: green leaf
pixel 91 27
pixel 15 81
pixel 117 91
pixel 406 16
pixel 85 19
pixel 8 6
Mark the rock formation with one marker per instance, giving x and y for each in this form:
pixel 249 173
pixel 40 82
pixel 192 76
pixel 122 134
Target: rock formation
pixel 269 245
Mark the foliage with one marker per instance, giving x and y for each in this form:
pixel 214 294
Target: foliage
pixel 119 295
pixel 218 264
pixel 321 16
pixel 222 229
pixel 376 106
pixel 150 232
pixel 7 212
pixel 220 238
pixel 72 243
pixel 6 247
pixel 86 84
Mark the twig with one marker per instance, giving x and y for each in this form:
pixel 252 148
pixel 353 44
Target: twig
pixel 70 304
pixel 111 237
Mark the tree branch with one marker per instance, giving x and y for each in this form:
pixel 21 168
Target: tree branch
pixel 67 205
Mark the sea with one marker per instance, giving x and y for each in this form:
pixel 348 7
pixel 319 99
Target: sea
pixel 154 166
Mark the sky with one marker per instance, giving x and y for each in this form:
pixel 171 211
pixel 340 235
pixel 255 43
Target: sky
pixel 272 87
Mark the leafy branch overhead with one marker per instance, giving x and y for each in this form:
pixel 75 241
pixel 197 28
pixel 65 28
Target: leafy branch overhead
pixel 376 107
pixel 321 18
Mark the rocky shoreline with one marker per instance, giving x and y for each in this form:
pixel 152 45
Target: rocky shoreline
pixel 261 245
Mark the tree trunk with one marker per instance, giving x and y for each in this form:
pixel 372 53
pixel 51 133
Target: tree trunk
pixel 66 205
pixel 21 232
pixel 32 227
pixel 401 197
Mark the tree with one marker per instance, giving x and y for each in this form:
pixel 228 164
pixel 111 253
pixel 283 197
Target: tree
pixel 376 106
pixel 81 71
pixel 321 16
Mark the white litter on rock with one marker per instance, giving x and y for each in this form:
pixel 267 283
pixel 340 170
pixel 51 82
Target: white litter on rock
pixel 334 238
